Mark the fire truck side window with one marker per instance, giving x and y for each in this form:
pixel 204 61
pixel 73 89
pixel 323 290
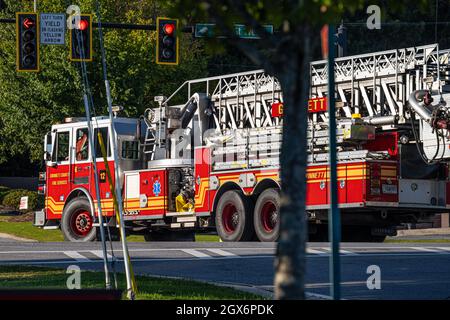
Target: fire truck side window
pixel 62 147
pixel 82 145
pixel 130 150
pixel 105 138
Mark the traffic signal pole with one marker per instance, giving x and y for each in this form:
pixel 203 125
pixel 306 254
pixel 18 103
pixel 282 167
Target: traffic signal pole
pixel 334 225
pixel 131 287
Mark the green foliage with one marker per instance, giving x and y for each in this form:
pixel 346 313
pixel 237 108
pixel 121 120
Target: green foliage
pixel 31 103
pixel 3 192
pixel 12 199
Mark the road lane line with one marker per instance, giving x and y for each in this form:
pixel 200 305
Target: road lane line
pixel 99 253
pixel 222 253
pixel 76 256
pixel 196 253
pixel 444 248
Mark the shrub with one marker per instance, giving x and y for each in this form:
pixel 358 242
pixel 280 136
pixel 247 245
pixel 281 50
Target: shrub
pixel 3 192
pixel 12 199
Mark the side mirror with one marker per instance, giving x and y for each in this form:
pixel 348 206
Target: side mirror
pixel 52 164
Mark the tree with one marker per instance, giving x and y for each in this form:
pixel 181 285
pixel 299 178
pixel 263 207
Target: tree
pixel 31 103
pixel 285 55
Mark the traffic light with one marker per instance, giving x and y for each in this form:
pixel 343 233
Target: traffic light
pixel 27 29
pixel 167 41
pixel 81 39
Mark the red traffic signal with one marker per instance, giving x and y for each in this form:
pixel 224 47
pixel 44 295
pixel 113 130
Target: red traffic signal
pixel 28 23
pixel 169 28
pixel 81 40
pixel 83 25
pixel 167 41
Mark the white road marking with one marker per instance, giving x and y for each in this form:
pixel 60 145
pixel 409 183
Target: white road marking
pixel 99 254
pixel 313 251
pixel 343 252
pixel 196 253
pixel 222 253
pixel 425 249
pixel 444 248
pixel 76 256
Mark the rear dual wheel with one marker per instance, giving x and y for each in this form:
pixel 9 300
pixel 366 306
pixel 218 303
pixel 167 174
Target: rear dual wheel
pixel 266 216
pixel 234 217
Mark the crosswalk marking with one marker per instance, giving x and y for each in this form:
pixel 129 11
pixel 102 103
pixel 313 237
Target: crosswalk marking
pixel 76 256
pixel 424 249
pixel 343 252
pixel 99 254
pixel 222 253
pixel 313 251
pixel 196 253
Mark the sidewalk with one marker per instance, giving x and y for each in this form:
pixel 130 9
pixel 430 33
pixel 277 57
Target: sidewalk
pixel 423 232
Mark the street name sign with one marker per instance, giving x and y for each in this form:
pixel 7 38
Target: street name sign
pixel 208 30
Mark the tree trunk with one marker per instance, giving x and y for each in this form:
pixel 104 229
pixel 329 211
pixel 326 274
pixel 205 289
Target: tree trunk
pixel 291 259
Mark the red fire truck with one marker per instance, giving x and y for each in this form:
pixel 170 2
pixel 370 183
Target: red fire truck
pixel 213 160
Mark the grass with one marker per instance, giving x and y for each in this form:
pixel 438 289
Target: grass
pixel 28 231
pixel 22 277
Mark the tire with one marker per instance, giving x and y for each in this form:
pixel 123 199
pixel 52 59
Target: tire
pixel 233 217
pixel 77 221
pixel 169 235
pixel 266 216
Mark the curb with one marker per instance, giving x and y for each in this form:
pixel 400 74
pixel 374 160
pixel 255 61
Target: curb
pixel 11 237
pixel 266 293
pixel 423 232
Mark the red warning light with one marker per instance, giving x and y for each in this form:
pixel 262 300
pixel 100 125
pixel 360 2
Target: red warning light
pixel 83 25
pixel 28 23
pixel 169 28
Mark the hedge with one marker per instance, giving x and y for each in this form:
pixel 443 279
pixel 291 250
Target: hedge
pixel 12 199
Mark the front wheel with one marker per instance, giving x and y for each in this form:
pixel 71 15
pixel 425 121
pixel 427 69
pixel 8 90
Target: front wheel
pixel 267 216
pixel 234 217
pixel 77 223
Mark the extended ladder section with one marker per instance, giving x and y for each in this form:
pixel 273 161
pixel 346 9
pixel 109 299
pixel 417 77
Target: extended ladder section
pixel 374 86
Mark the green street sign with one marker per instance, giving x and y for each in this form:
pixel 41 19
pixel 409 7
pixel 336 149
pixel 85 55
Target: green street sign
pixel 245 33
pixel 208 30
pixel 204 30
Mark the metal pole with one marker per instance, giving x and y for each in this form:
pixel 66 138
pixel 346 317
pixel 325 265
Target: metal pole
pixel 35 5
pixel 126 257
pixel 97 190
pixel 334 230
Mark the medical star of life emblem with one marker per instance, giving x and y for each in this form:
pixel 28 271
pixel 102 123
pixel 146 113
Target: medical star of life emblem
pixel 156 188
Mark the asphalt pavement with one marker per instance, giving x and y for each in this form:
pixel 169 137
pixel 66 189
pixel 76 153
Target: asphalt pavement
pixel 407 271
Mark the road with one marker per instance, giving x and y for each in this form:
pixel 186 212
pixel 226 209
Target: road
pixel 408 271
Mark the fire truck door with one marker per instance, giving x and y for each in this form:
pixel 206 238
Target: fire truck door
pixel 58 173
pixel 81 161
